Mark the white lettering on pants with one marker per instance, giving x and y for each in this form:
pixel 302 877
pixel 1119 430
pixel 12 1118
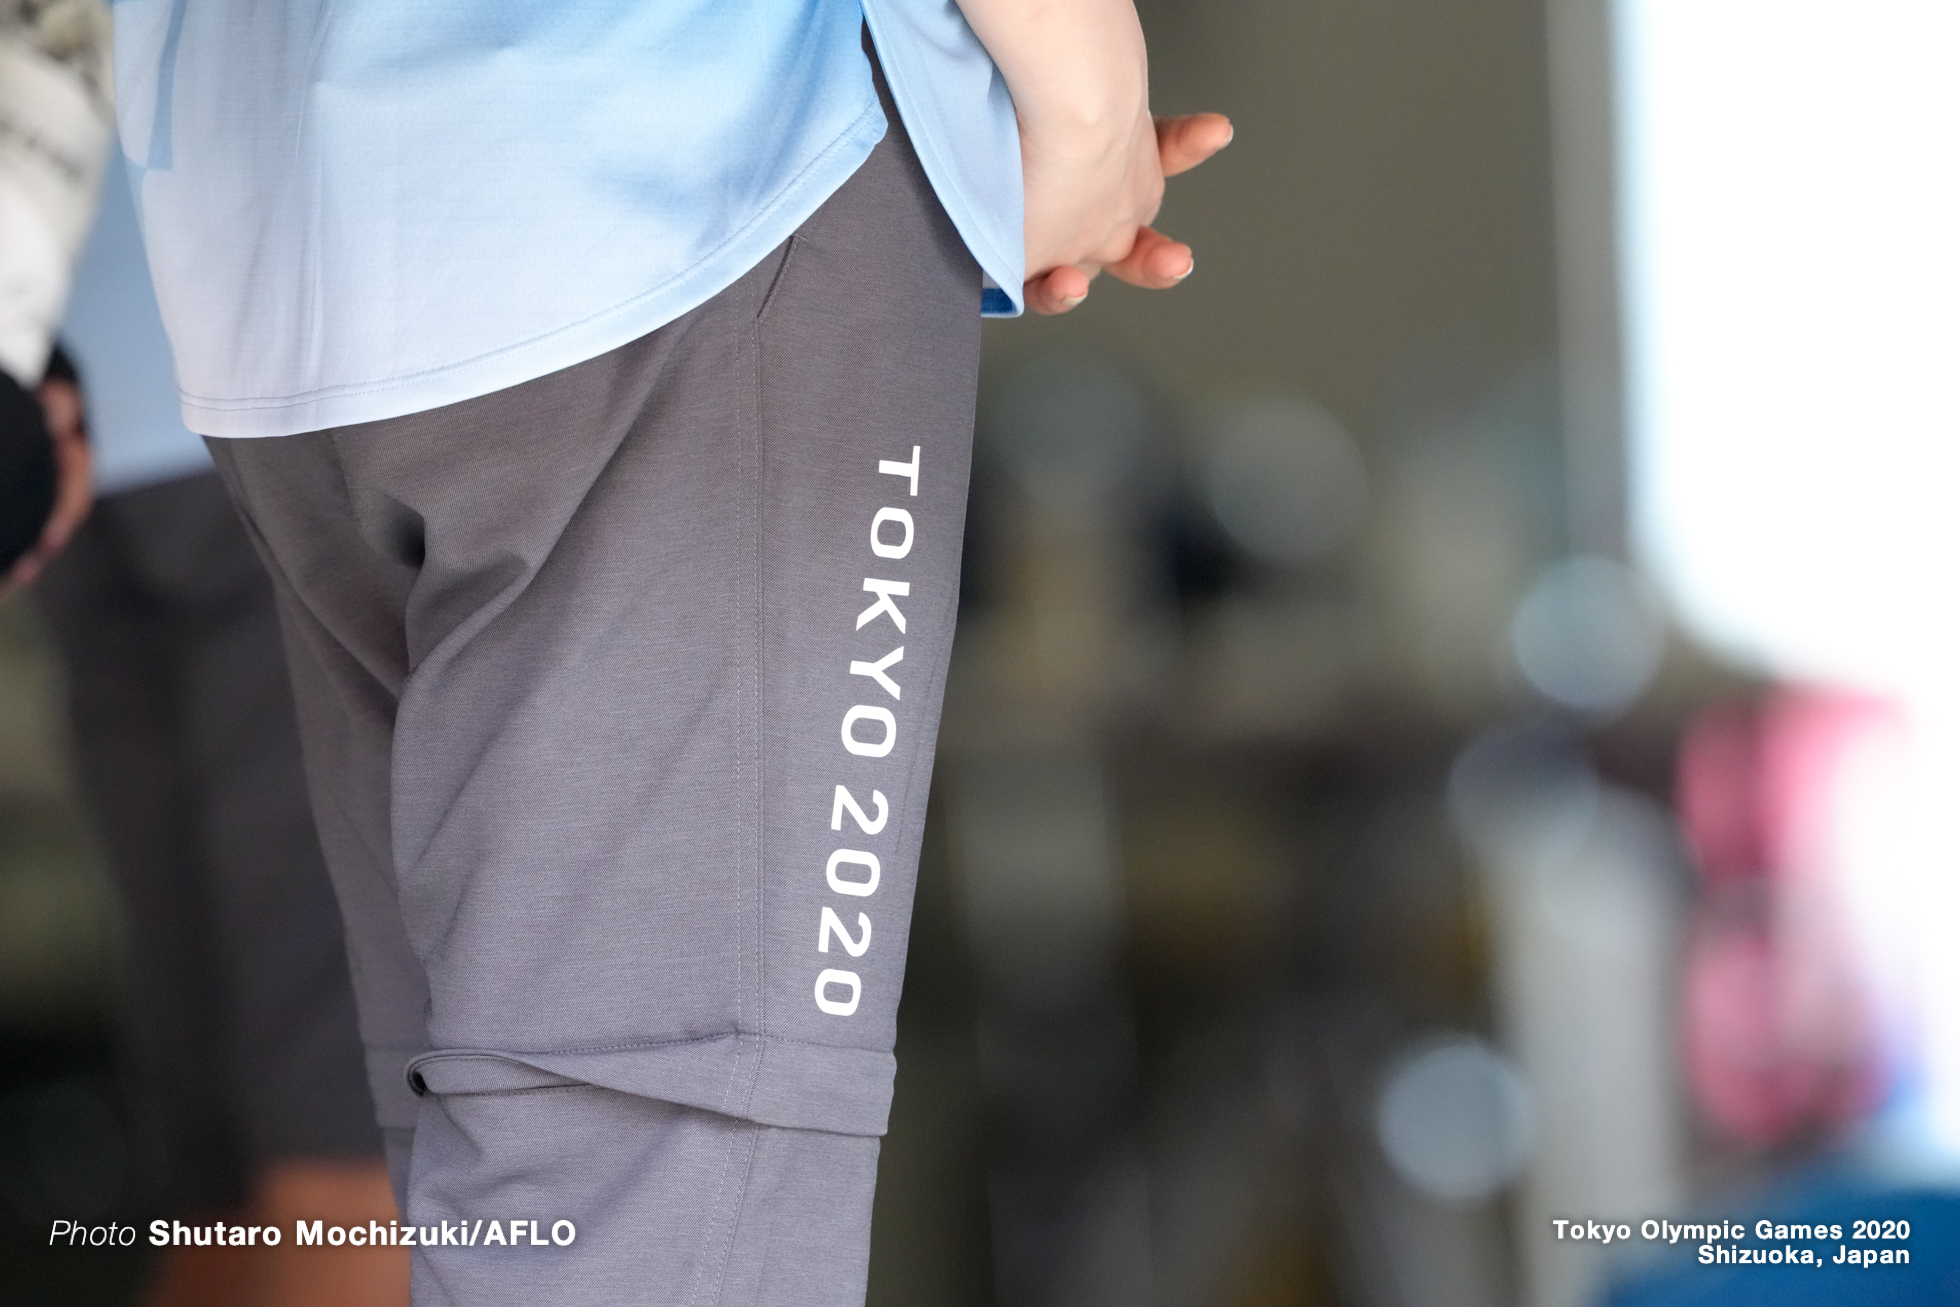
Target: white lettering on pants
pixel 876 671
pixel 885 590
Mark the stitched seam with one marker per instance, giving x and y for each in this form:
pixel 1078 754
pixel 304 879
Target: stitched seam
pixel 776 282
pixel 754 1134
pixel 631 1046
pixel 728 1091
pixel 534 1089
pixel 758 849
pixel 734 1223
pixel 721 1193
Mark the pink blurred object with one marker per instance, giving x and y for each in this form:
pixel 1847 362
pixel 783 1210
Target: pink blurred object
pixel 1778 1029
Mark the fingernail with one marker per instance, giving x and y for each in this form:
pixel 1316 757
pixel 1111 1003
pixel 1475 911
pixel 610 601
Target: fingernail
pixel 1188 270
pixel 1070 301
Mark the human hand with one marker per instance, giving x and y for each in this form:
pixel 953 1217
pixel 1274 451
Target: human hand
pixel 1093 161
pixel 1088 215
pixel 61 402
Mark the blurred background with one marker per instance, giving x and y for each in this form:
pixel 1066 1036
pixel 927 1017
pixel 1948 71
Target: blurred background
pixel 1456 708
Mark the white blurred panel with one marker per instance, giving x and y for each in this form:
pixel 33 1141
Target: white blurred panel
pixel 1790 223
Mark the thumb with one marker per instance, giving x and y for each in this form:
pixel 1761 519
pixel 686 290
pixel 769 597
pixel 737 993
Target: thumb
pixel 1056 291
pixel 1184 143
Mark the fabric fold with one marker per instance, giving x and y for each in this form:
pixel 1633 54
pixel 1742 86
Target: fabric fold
pixel 769 1081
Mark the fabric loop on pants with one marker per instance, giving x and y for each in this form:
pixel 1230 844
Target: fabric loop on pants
pixel 768 1081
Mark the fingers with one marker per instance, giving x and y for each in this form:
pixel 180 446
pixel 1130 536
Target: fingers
pixel 74 490
pixel 1056 291
pixel 1184 143
pixel 19 576
pixel 28 566
pixel 1155 261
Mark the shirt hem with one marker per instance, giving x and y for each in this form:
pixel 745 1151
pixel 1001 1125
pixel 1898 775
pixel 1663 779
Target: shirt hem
pixel 562 347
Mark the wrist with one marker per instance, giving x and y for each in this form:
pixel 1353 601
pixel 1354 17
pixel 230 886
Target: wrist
pixel 1100 100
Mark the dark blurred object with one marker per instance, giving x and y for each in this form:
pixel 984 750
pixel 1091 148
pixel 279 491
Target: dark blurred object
pixel 27 473
pixel 61 368
pixel 240 1020
pixel 68 1151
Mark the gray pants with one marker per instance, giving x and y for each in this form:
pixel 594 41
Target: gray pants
pixel 619 691
pixel 240 1017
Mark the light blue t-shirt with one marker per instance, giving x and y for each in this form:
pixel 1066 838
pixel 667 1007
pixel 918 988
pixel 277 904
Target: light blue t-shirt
pixel 111 328
pixel 357 209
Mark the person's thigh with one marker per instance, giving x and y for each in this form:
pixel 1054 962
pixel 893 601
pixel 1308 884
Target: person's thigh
pixel 656 647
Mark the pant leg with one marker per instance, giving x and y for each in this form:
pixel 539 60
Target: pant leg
pixel 647 655
pixel 241 1016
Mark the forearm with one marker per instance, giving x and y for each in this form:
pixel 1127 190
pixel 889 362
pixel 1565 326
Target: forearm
pixel 1076 68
